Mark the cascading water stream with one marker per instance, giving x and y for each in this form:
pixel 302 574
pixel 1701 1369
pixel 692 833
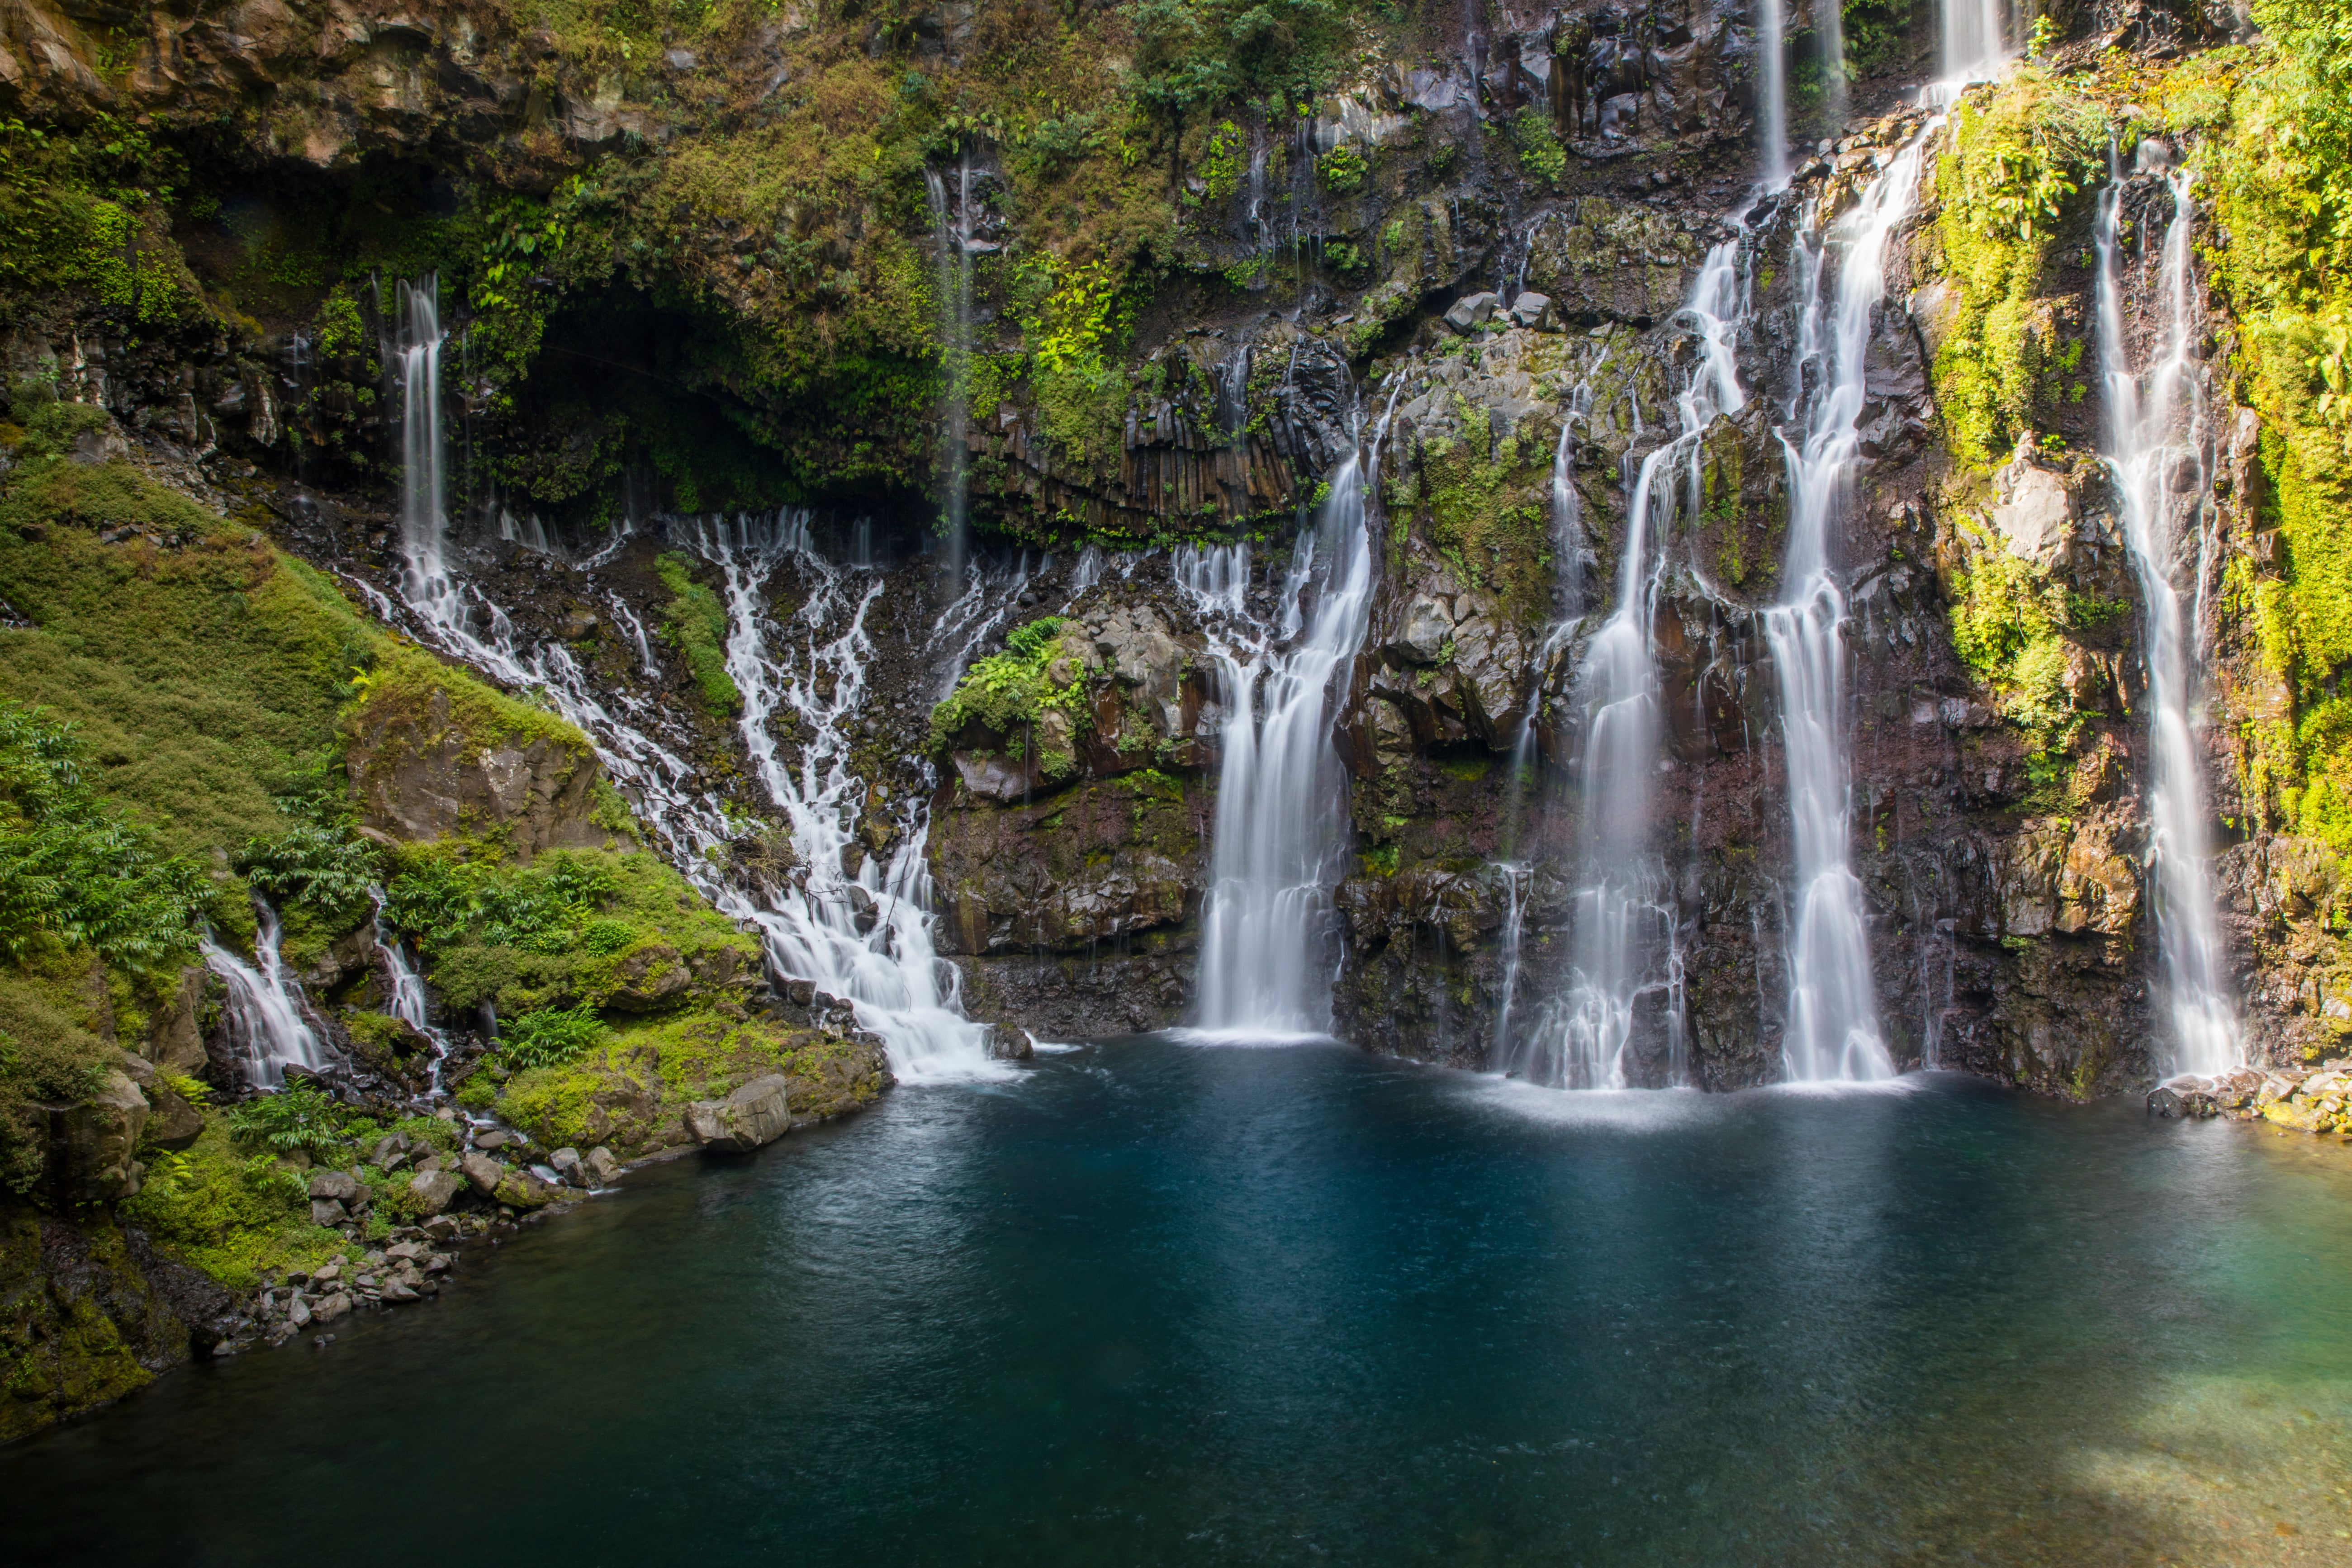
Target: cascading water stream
pixel 1266 958
pixel 2155 429
pixel 1772 107
pixel 267 1019
pixel 864 936
pixel 1832 1034
pixel 1622 915
pixel 1975 45
pixel 408 1001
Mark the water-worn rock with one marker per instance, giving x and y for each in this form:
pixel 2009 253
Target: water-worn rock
pixel 434 1190
pixel 527 1190
pixel 601 1168
pixel 757 1113
pixel 485 1172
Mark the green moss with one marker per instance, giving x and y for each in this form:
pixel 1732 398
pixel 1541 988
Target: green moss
pixel 1483 504
pixel 2009 626
pixel 409 691
pixel 629 1092
pixel 643 919
pixel 697 624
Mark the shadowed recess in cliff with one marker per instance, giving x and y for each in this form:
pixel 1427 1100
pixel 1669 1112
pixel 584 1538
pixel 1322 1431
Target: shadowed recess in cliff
pixel 2158 451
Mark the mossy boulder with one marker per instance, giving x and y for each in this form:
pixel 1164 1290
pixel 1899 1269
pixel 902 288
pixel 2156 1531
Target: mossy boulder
pixel 434 752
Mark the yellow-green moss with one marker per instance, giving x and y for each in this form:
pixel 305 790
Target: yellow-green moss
pixel 2021 154
pixel 696 622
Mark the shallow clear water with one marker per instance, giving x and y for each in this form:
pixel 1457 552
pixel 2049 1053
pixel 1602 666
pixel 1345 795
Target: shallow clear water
pixel 1153 1302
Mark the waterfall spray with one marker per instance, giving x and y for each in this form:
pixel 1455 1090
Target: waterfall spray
pixel 1833 1031
pixel 2155 430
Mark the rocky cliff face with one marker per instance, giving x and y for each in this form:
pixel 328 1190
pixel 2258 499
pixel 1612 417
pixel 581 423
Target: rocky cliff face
pixel 1469 236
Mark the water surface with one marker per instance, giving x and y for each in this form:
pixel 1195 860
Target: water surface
pixel 1154 1302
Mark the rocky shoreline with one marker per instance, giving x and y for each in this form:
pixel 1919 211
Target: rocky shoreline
pixel 2301 1100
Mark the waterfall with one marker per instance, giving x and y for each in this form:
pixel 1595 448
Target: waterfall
pixel 1975 44
pixel 1623 911
pixel 1832 1021
pixel 2157 435
pixel 266 1019
pixel 1772 92
pixel 426 583
pixel 1266 953
pixel 864 935
pixel 952 226
pixel 407 1000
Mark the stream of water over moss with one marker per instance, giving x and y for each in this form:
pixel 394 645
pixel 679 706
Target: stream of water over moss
pixel 1157 1303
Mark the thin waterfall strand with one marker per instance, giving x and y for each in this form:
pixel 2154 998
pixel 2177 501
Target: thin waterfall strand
pixel 426 581
pixel 1772 112
pixel 1832 1034
pixel 2155 430
pixel 1623 914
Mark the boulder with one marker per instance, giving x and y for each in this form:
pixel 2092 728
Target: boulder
pixel 567 1167
pixel 1473 310
pixel 91 1143
pixel 1428 627
pixel 753 1115
pixel 1533 310
pixel 328 1212
pixel 527 1190
pixel 339 1186
pixel 602 1167
pixel 485 1172
pixel 651 976
pixel 333 1307
pixel 434 1190
pixel 418 772
pixel 2034 513
pixel 172 1121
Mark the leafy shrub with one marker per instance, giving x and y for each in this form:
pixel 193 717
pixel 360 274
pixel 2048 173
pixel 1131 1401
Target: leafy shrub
pixel 300 1116
pixel 1540 153
pixel 548 1037
pixel 540 908
pixel 326 869
pixel 1008 690
pixel 72 868
pixel 604 937
pixel 1344 169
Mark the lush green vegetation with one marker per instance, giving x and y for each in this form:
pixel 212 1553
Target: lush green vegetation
pixel 2019 156
pixel 2274 130
pixel 1043 668
pixel 696 625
